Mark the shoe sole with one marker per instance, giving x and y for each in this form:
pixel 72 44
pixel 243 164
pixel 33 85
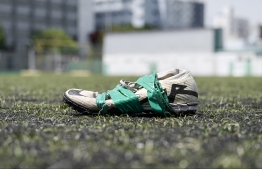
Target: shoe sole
pixel 188 108
pixel 77 107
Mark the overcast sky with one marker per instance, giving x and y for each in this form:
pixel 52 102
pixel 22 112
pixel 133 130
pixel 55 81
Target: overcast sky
pixel 249 9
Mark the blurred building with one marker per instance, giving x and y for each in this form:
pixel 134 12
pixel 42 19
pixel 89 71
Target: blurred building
pixel 235 30
pixel 167 14
pixel 260 33
pixel 137 53
pixel 197 50
pixel 21 18
pixel 182 14
pixel 255 38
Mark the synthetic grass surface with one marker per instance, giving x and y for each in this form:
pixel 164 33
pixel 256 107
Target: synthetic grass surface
pixel 38 131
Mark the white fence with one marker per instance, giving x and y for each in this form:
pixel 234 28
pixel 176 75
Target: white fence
pixel 200 64
pixel 139 53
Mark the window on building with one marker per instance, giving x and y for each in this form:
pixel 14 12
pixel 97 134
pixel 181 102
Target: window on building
pixel 260 31
pixel 71 8
pixel 5 8
pixel 40 12
pixel 40 4
pixel 57 1
pixel 22 37
pixel 99 15
pixel 22 25
pixel 56 14
pixel 71 30
pixel 9 40
pixel 23 33
pixel 39 26
pixel 56 7
pixel 6 24
pixel 5 16
pixel 23 2
pixel 5 2
pixel 71 23
pixel 58 23
pixel 23 10
pixel 71 2
pixel 155 12
pixel 71 16
pixel 39 20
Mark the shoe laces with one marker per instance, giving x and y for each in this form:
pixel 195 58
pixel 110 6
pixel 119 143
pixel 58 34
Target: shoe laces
pixel 133 86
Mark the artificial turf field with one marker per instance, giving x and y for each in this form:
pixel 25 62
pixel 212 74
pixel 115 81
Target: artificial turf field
pixel 38 131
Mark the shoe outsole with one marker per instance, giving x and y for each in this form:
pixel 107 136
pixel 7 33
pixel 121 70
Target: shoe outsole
pixel 179 109
pixel 77 107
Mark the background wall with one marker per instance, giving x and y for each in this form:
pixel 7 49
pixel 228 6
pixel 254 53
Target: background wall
pixel 141 53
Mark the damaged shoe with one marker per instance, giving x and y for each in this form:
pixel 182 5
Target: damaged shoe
pixel 165 93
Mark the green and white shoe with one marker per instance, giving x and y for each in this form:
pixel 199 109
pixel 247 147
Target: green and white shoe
pixel 166 93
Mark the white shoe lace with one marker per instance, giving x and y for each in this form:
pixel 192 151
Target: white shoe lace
pixel 134 87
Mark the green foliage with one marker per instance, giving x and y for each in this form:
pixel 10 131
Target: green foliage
pixel 39 131
pixel 2 38
pixel 52 40
pixel 126 28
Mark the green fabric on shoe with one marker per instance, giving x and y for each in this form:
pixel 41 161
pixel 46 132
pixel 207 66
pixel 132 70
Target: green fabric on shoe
pixel 125 100
pixel 100 101
pixel 156 95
